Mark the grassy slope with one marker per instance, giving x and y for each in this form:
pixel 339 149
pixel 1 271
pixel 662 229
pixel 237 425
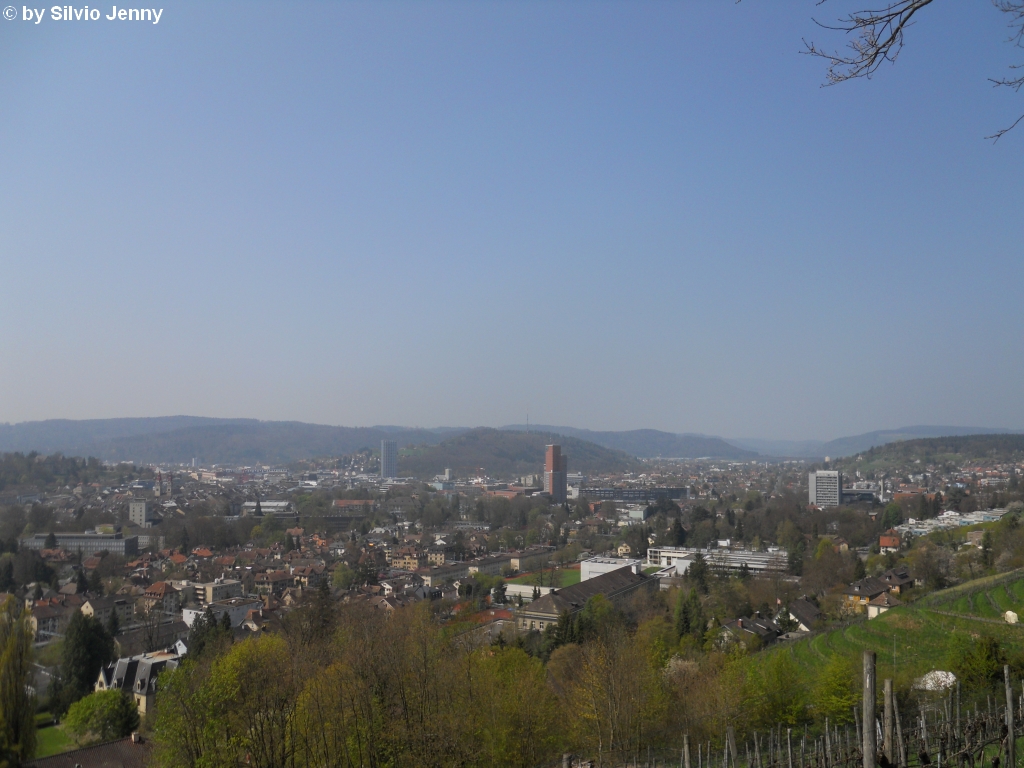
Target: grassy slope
pixel 51 741
pixel 920 632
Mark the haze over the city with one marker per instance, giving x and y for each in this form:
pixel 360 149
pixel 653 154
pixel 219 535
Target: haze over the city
pixel 604 215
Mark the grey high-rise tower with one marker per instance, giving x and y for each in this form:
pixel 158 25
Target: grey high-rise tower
pixel 825 489
pixel 388 458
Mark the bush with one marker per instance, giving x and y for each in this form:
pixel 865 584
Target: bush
pixel 102 716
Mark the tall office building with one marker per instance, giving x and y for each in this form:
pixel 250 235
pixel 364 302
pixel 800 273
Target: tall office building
pixel 825 489
pixel 388 458
pixel 555 470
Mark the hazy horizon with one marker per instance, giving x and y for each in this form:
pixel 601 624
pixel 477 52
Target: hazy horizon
pixel 734 438
pixel 606 215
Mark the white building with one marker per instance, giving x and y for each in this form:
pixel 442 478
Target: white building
pixel 596 566
pixel 825 488
pixel 237 609
pixel 733 560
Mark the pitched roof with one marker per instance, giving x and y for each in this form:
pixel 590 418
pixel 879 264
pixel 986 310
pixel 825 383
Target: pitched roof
pixel 885 600
pixel 869 587
pixel 160 589
pixel 804 611
pixel 754 625
pixel 123 753
pixel 573 598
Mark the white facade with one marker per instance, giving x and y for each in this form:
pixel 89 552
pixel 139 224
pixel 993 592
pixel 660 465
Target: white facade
pixel 825 488
pixel 236 607
pixel 597 566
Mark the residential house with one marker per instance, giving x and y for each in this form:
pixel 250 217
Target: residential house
pixel 101 608
pixel 881 604
pixel 309 576
pixel 745 629
pixel 162 597
pixel 889 542
pixel 137 675
pixel 860 593
pixel 48 621
pixel 898 580
pixel 490 566
pixel 530 559
pixel 273 582
pixel 805 613
pixel 408 559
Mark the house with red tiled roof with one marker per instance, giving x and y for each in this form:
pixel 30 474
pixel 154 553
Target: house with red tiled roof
pixel 162 597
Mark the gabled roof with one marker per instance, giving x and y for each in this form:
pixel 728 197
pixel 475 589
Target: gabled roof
pixel 763 628
pixel 804 611
pixel 573 598
pixel 869 587
pixel 160 589
pixel 885 600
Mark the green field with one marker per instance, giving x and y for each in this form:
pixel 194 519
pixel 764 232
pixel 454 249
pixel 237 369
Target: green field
pixel 51 740
pixel 917 634
pixel 987 598
pixel 563 577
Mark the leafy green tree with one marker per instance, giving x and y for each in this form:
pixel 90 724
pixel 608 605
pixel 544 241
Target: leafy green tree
pixel 6 574
pixel 86 649
pixel 986 549
pixel 891 516
pixel 859 571
pixel 205 633
pixel 113 624
pixel 96 583
pixel 698 573
pixel 977 663
pixel 774 692
pixel 835 691
pixel 51 540
pixel 102 716
pixel 17 705
pixel 344 577
pixel 689 615
pixel 677 534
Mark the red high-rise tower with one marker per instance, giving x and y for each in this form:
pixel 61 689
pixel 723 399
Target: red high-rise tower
pixel 555 469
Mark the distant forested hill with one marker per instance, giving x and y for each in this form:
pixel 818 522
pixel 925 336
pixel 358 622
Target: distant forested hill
pixel 651 443
pixel 177 439
pixel 508 453
pixel 957 449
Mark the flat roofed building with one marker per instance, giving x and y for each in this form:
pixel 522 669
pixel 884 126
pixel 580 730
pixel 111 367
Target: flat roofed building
pixel 596 566
pixel 88 543
pixel 555 470
pixel 731 560
pixel 388 458
pixel 825 488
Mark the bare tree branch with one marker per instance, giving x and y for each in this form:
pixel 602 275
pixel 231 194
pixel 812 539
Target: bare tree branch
pixel 878 38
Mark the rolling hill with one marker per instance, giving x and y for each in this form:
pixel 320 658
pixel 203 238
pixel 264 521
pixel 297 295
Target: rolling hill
pixel 957 449
pixel 178 439
pixel 650 443
pixel 507 454
pixel 848 446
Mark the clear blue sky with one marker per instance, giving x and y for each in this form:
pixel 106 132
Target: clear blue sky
pixel 608 215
